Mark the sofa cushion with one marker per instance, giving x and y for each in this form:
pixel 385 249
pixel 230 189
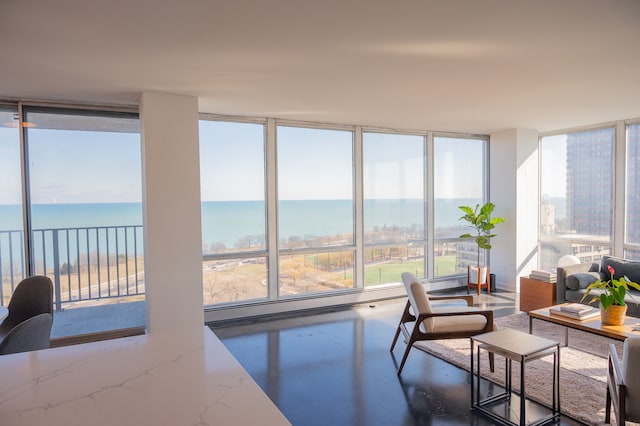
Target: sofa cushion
pixel 622 267
pixel 456 323
pixel 574 296
pixel 581 280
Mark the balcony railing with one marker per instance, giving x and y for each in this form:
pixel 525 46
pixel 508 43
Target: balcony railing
pixel 89 263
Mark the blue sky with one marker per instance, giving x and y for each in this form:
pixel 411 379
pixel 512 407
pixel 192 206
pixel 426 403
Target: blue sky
pixel 317 164
pixel 458 168
pixel 393 166
pixel 72 166
pixel 246 170
pixel 88 167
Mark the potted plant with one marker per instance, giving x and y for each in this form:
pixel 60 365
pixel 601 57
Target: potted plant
pixel 613 308
pixel 479 218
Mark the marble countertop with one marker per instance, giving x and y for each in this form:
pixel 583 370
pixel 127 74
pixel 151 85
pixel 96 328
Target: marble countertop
pixel 184 377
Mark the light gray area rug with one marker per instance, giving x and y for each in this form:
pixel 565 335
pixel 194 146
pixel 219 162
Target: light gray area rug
pixel 583 367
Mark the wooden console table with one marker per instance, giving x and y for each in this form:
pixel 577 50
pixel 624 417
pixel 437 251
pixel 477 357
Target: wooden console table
pixel 535 294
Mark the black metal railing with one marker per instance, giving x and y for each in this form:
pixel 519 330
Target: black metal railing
pixel 84 263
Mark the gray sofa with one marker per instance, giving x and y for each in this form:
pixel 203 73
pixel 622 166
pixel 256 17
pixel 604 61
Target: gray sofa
pixel 573 280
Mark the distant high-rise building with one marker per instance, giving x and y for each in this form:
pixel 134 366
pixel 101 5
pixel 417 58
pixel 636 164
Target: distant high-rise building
pixel 590 177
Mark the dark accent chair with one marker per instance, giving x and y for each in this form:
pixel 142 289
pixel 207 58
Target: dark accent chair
pixel 439 320
pixel 30 335
pixel 31 298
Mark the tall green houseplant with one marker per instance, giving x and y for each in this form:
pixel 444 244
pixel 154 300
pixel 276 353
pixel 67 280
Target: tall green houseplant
pixel 482 223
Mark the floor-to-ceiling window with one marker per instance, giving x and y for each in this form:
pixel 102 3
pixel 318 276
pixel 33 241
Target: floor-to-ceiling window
pixel 82 174
pixel 294 210
pixel 234 235
pixel 315 209
pixel 458 180
pixel 394 206
pixel 577 195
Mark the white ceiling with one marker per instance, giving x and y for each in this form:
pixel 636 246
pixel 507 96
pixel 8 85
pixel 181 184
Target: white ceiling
pixel 451 65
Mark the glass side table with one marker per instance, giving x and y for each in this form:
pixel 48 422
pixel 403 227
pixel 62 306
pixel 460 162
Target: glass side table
pixel 521 347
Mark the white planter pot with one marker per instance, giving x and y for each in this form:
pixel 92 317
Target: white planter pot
pixel 473 275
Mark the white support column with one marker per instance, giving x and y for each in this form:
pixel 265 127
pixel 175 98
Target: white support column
pixel 429 194
pixel 360 264
pixel 514 182
pixel 272 208
pixel 171 211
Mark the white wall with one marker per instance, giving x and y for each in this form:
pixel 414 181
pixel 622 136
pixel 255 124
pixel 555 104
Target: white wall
pixel 171 211
pixel 513 177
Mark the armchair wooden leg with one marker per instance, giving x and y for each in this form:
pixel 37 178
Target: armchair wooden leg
pixel 406 317
pixel 395 339
pixel 412 340
pixel 491 362
pixel 404 357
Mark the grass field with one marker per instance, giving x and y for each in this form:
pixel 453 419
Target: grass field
pixel 390 272
pixel 236 281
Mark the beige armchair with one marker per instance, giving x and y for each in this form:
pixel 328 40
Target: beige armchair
pixel 623 386
pixel 434 318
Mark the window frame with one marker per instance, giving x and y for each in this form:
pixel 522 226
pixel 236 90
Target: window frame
pixel 421 243
pixel 131 236
pixel 318 249
pixel 578 244
pixel 247 254
pixel 461 244
pixel 358 247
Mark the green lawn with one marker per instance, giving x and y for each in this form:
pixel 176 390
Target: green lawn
pixel 390 272
pixel 445 265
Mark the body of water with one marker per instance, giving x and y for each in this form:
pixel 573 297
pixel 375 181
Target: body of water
pixel 228 222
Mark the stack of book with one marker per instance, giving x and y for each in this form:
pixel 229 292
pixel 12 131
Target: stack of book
pixel 542 275
pixel 575 310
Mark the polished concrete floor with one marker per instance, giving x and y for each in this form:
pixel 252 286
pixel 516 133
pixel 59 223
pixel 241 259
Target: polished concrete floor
pixel 336 369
